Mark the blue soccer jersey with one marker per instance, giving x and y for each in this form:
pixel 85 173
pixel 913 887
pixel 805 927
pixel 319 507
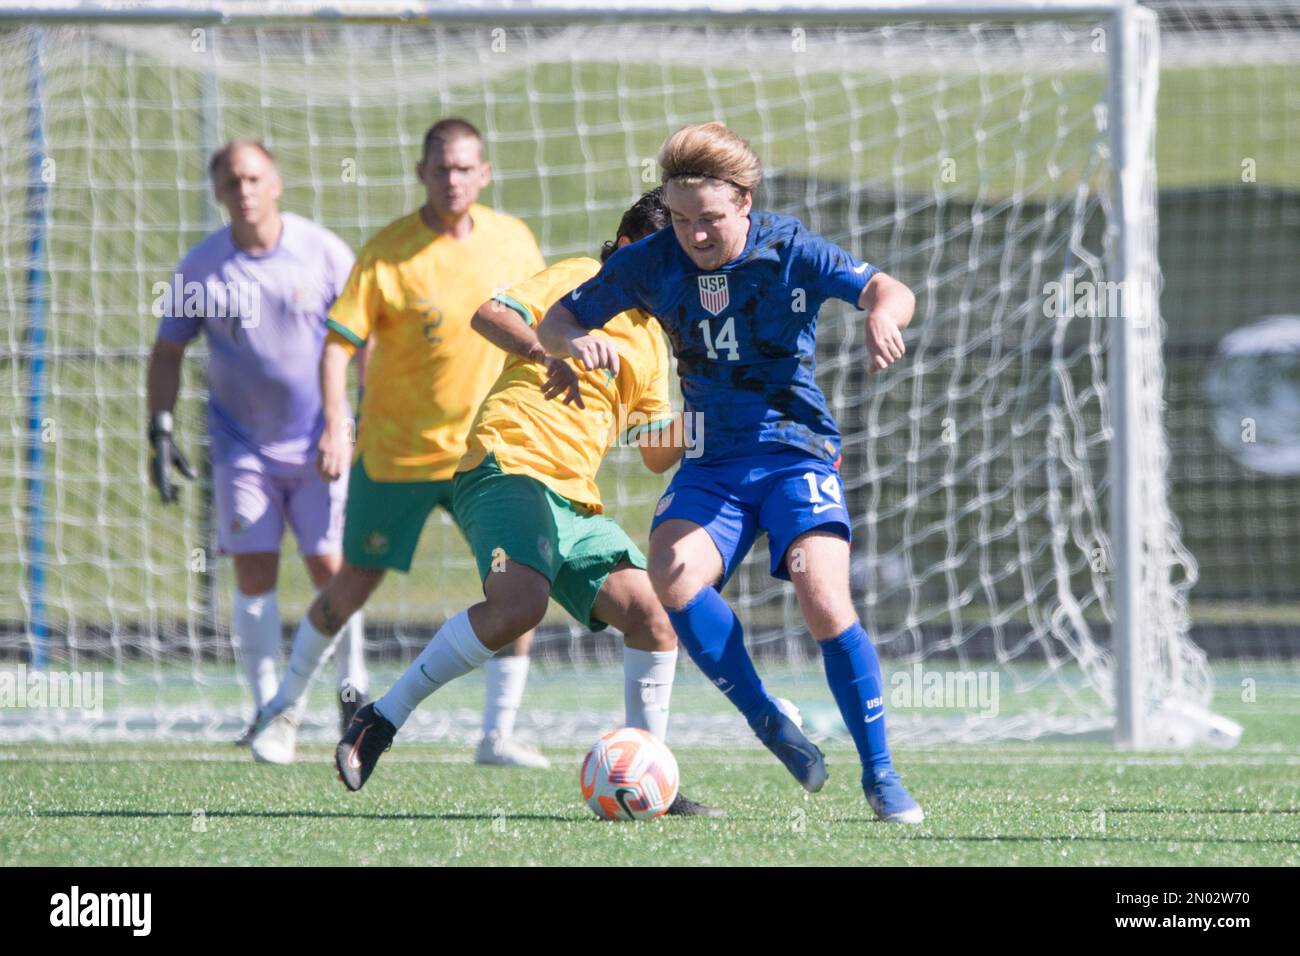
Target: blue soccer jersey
pixel 744 335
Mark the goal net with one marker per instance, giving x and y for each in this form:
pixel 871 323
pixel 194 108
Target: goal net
pixel 1001 164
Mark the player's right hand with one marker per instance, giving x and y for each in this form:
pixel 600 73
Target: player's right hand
pixel 334 450
pixel 595 352
pixel 164 455
pixel 561 379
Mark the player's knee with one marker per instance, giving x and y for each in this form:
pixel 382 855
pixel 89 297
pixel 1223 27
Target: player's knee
pixel 829 619
pixel 674 580
pixel 516 601
pixel 531 610
pixel 256 574
pixel 518 614
pixel 322 568
pixel 666 570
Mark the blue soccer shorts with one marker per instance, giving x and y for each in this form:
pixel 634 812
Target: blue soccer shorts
pixel 784 493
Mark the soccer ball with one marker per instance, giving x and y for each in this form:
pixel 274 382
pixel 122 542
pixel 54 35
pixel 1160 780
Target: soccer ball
pixel 629 775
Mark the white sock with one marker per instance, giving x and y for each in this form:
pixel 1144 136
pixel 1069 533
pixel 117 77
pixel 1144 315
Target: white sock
pixel 454 651
pixel 647 688
pixel 310 647
pixel 255 628
pixel 350 655
pixel 506 677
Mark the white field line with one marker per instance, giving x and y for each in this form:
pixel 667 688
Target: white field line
pixel 320 755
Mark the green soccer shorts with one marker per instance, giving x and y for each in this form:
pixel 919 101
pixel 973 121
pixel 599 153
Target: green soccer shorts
pixel 516 517
pixel 384 518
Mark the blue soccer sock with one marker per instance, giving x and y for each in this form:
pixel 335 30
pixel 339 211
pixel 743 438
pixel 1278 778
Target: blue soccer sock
pixel 853 672
pixel 711 633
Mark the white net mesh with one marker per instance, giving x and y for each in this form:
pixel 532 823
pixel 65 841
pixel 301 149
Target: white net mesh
pixel 970 158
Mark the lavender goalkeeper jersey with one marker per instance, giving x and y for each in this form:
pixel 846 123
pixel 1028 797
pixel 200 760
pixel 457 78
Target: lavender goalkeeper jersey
pixel 264 320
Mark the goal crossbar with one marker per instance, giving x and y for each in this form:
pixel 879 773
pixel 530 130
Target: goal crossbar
pixel 536 11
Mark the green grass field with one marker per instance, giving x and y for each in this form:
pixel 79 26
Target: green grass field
pixel 1030 804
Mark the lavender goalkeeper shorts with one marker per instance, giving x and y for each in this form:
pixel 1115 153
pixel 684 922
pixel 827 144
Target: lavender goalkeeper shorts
pixel 253 508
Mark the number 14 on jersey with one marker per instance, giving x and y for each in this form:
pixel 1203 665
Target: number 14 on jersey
pixel 726 340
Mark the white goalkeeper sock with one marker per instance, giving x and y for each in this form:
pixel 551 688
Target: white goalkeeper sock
pixel 350 655
pixel 310 647
pixel 454 651
pixel 255 627
pixel 648 688
pixel 506 677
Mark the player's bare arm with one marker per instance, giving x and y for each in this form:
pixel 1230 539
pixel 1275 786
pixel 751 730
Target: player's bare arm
pixel 660 452
pixel 561 335
pixel 504 328
pixel 334 451
pixel 889 305
pixel 163 380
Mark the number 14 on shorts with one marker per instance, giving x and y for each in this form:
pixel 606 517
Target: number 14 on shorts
pixel 830 486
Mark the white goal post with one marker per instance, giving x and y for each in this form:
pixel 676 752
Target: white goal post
pixel 1008 480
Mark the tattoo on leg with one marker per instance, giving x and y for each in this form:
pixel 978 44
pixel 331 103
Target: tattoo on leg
pixel 332 623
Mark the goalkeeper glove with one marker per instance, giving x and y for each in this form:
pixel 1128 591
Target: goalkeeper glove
pixel 164 455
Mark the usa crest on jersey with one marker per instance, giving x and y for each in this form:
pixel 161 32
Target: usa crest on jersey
pixel 713 293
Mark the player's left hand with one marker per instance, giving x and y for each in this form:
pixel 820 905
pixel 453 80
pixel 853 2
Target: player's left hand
pixel 884 343
pixel 165 456
pixel 561 379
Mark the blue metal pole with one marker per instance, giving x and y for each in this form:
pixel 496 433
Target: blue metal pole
pixel 37 281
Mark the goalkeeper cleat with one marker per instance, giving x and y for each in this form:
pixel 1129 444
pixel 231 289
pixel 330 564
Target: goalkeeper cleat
pixel 276 739
pixel 351 700
pixel 889 798
pixel 683 806
pixel 368 736
pixel 781 735
pixel 495 750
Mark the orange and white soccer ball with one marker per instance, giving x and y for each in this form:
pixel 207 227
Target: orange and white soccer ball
pixel 629 775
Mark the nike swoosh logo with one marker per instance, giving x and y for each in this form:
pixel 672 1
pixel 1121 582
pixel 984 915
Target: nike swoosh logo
pixel 354 761
pixel 877 717
pixel 859 270
pixel 621 796
pixel 818 509
pixel 576 295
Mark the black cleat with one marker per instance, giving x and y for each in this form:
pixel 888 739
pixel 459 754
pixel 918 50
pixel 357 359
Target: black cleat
pixel 685 807
pixel 250 733
pixel 367 737
pixel 351 700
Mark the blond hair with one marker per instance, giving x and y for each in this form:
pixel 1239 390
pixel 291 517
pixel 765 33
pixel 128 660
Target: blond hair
pixel 710 151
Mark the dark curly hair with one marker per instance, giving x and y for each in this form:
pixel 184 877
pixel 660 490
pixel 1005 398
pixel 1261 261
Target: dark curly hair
pixel 648 214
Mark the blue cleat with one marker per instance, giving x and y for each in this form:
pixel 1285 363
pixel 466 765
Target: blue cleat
pixel 889 798
pixel 782 736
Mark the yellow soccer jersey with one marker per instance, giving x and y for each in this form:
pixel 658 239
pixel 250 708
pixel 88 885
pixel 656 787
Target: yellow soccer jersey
pixel 562 445
pixel 415 291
